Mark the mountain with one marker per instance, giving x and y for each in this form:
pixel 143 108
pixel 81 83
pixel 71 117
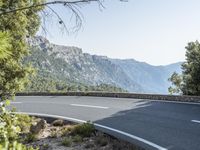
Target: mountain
pixel 153 79
pixel 71 65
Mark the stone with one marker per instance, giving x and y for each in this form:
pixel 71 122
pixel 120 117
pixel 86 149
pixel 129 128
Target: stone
pixel 58 122
pixel 35 129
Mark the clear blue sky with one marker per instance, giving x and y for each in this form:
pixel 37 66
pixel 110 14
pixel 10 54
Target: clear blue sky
pixel 154 31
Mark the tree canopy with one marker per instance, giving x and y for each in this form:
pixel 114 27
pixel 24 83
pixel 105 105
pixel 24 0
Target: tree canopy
pixel 188 83
pixel 18 25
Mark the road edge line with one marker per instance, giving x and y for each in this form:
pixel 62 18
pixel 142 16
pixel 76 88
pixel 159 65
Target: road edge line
pixel 98 125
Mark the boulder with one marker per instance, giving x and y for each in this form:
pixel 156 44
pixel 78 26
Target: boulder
pixel 58 122
pixel 35 129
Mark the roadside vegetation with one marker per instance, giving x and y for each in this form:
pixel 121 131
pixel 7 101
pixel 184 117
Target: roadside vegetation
pixel 66 135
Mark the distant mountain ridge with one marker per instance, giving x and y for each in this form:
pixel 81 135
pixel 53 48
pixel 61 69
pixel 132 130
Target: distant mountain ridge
pixel 71 64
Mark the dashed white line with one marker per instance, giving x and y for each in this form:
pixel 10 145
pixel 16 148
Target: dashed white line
pixel 158 147
pixel 15 102
pixel 196 121
pixel 92 106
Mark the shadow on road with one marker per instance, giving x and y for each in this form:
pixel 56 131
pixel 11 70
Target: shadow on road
pixel 165 124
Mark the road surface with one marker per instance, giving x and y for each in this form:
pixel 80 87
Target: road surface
pixel 151 124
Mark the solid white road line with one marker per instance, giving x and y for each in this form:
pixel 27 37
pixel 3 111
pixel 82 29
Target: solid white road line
pixel 92 106
pixel 98 125
pixel 132 136
pixel 53 116
pixel 196 121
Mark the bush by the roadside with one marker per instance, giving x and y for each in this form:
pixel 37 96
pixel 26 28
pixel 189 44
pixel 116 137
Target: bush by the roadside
pixel 67 142
pixel 77 139
pixel 15 146
pixel 84 130
pixel 24 122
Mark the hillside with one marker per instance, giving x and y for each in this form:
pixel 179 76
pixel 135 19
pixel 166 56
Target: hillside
pixel 70 65
pixel 153 79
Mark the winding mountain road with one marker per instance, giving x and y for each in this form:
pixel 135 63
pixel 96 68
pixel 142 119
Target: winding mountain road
pixel 152 124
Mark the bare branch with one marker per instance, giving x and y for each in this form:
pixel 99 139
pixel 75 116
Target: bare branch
pixel 60 19
pixel 63 2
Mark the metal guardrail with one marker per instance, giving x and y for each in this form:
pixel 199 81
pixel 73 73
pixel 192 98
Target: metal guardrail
pixel 178 98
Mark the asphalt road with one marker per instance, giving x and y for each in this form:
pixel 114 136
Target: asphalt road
pixel 152 124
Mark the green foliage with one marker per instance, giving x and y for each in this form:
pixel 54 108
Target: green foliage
pixel 189 82
pixel 5 47
pixel 14 29
pixel 15 146
pixel 84 130
pixel 18 25
pixel 51 75
pixel 77 139
pixel 24 122
pixel 10 129
pixel 67 142
pixel 176 81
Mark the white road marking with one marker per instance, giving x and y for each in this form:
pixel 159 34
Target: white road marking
pixel 15 102
pixel 92 106
pixel 53 116
pixel 196 121
pixel 132 136
pixel 98 125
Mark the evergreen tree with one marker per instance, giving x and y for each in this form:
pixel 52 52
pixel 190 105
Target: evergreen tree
pixel 189 82
pixel 5 48
pixel 18 25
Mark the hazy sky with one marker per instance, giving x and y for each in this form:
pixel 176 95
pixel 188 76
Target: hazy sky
pixel 154 31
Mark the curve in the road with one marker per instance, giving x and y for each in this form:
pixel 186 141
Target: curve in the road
pixel 146 142
pixel 172 126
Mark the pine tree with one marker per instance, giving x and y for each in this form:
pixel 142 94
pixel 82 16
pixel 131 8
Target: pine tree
pixel 18 25
pixel 189 81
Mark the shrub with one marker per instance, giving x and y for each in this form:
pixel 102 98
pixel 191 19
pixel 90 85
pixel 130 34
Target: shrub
pixel 16 146
pixel 10 130
pixel 67 142
pixel 24 122
pixel 77 139
pixel 84 130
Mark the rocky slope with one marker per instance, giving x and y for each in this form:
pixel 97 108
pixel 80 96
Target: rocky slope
pixel 72 65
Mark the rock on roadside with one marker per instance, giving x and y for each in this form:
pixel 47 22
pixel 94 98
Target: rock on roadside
pixel 35 129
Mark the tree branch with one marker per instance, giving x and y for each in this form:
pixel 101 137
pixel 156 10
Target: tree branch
pixel 63 2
